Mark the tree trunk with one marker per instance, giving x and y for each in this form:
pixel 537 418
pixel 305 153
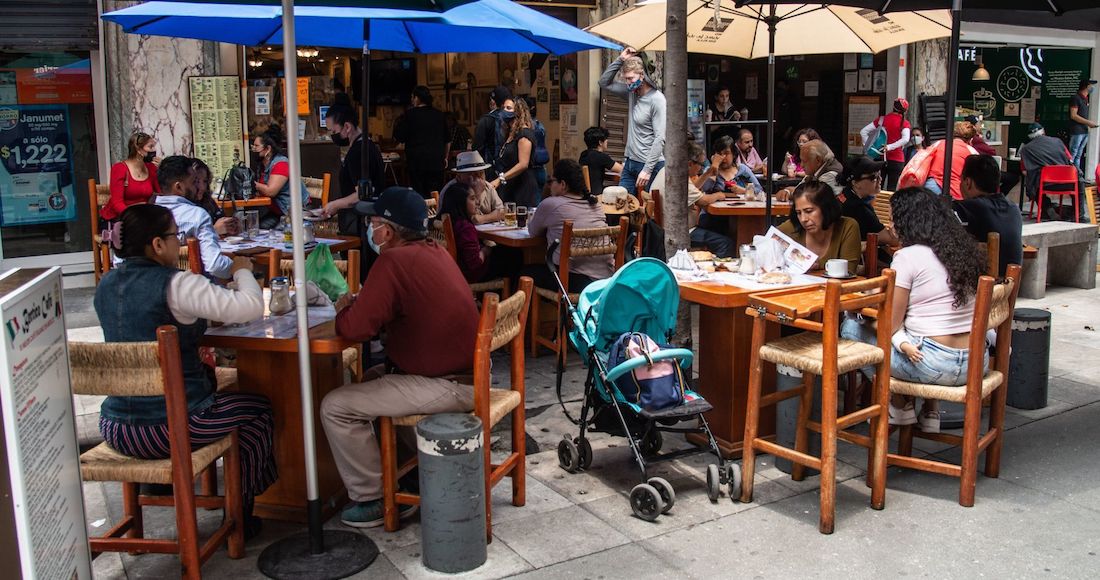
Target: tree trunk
pixel 676 130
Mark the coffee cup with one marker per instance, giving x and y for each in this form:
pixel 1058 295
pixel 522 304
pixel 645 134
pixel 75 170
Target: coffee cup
pixel 1011 152
pixel 836 268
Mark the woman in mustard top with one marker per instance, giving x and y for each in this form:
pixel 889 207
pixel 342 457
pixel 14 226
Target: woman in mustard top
pixel 816 222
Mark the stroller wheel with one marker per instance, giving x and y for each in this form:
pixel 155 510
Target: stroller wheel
pixel 568 457
pixel 713 483
pixel 646 502
pixel 584 450
pixel 663 487
pixel 733 478
pixel 651 443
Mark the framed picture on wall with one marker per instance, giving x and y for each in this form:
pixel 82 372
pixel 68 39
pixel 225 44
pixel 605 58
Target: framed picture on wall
pixel 506 70
pixel 483 67
pixel 439 98
pixel 437 72
pixel 456 67
pixel 460 106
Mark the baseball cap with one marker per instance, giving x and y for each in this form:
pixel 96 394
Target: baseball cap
pixel 1085 83
pixel 400 205
pixel 901 105
pixel 500 94
pixel 862 165
pixel 973 119
pixel 1034 130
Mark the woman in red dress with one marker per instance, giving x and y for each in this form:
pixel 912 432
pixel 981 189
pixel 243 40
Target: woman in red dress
pixel 134 179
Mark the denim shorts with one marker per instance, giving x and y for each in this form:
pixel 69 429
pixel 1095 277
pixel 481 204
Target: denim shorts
pixel 941 365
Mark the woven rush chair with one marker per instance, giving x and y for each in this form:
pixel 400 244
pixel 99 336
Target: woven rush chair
pixel 820 351
pixel 433 204
pixel 575 243
pixel 318 187
pixel 146 369
pixel 278 266
pixel 443 232
pixel 881 205
pixel 98 196
pixel 994 307
pixel 501 325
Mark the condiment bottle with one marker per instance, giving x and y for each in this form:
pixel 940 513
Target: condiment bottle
pixel 280 296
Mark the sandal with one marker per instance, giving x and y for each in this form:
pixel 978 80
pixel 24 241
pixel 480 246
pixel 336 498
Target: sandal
pixel 906 415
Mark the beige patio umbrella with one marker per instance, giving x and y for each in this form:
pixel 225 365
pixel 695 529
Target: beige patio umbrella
pixel 717 27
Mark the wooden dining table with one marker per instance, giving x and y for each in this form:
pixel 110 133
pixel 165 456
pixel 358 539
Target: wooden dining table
pixel 725 339
pixel 533 247
pixel 269 367
pixel 230 206
pixel 749 218
pixel 259 253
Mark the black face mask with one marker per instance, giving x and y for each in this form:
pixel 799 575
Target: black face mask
pixel 150 156
pixel 340 140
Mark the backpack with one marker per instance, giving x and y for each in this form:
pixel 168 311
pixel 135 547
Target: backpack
pixel 654 386
pixel 653 241
pixel 541 155
pixel 237 183
pixel 876 147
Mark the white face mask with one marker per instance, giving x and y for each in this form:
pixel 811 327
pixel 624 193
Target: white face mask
pixel 918 139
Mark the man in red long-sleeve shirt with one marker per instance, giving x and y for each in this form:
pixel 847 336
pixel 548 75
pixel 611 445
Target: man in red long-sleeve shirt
pixel 417 294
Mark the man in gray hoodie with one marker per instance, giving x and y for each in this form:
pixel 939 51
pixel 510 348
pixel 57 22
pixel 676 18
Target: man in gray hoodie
pixel 645 143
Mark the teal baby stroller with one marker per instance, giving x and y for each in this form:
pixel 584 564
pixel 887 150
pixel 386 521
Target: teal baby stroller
pixel 642 297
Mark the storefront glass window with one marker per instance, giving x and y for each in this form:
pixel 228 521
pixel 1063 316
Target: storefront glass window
pixel 47 152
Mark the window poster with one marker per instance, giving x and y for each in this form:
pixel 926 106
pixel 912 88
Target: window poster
pixel 36 167
pixel 216 120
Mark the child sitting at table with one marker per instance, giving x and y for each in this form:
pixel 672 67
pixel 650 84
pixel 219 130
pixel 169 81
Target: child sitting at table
pixel 937 271
pixel 147 290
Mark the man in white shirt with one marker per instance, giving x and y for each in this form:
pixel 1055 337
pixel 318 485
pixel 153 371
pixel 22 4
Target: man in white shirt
pixel 178 187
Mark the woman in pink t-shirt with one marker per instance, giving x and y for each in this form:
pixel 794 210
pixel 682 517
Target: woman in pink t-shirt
pixel 937 270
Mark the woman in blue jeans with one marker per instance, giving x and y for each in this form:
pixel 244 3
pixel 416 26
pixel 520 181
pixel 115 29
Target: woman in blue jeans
pixel 937 268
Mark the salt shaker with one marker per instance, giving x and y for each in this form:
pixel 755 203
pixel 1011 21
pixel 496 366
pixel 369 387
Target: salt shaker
pixel 307 232
pixel 748 260
pixel 280 296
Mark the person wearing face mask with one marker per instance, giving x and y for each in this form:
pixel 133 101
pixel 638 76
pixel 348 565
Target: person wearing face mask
pixel 343 127
pixel 134 179
pixel 516 180
pixel 430 345
pixel 274 180
pixel 645 145
pixel 1079 123
pixel 897 136
pixel 916 143
pixel 176 176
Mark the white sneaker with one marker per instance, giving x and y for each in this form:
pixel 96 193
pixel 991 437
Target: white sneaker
pixel 929 421
pixel 906 415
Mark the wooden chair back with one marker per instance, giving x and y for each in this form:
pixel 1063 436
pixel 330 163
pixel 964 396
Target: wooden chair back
pixel 882 206
pixel 318 188
pixel 587 178
pixel 278 266
pixel 1092 210
pixel 580 243
pixel 98 196
pixel 992 254
pixel 994 306
pixel 658 207
pixel 442 231
pixel 190 259
pixel 870 256
pixel 433 204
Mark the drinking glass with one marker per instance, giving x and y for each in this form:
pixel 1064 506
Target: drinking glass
pixel 521 216
pixel 510 214
pixel 252 224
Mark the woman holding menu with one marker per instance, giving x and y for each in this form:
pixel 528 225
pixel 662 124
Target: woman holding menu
pixel 816 222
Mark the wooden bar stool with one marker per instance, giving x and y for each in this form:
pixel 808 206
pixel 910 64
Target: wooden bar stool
pixel 820 351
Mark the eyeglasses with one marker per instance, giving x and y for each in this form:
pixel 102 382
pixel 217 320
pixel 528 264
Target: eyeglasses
pixel 180 237
pixel 874 176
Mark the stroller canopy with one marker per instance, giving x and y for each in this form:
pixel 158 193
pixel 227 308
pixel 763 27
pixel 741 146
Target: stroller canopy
pixel 641 297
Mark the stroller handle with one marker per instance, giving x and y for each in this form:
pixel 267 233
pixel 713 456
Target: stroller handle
pixel 626 366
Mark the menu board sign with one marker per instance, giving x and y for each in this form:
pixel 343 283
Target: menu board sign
pixel 40 486
pixel 216 121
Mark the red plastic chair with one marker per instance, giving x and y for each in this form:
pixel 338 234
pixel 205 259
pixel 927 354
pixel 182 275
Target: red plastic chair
pixel 1058 175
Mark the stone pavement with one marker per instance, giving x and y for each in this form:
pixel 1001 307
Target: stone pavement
pixel 1040 518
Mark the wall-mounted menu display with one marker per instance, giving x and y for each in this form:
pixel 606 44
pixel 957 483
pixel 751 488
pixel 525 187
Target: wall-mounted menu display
pixel 216 121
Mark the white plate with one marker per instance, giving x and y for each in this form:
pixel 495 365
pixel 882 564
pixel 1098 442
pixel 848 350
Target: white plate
pixel 234 239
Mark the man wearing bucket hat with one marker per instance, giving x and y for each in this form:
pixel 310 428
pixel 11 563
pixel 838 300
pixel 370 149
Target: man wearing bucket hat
pixel 470 169
pixel 1040 151
pixel 430 343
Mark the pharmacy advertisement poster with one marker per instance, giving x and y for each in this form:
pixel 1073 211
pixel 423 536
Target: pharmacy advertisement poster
pixel 36 165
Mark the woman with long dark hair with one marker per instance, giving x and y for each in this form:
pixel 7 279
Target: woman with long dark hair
pixel 792 163
pixel 569 200
pixel 937 268
pixel 516 180
pixel 134 179
pixel 473 257
pixel 147 290
pixel 274 180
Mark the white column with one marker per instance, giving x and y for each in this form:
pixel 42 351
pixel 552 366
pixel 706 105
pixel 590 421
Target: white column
pixel 897 60
pixel 1093 150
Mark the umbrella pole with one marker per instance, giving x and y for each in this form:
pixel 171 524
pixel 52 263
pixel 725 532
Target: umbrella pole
pixel 297 556
pixel 952 83
pixel 771 20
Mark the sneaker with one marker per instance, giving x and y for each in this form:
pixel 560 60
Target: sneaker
pixel 368 514
pixel 903 415
pixel 929 421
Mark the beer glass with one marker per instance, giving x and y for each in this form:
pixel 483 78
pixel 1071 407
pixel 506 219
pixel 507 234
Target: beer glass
pixel 510 214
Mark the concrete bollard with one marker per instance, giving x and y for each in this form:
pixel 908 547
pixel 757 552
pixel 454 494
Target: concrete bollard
pixel 452 492
pixel 1029 364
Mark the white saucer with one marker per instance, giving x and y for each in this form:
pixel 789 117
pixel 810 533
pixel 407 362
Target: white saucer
pixel 845 277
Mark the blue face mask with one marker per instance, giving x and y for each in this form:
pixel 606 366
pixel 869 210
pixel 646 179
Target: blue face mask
pixel 634 85
pixel 370 240
pixel 507 116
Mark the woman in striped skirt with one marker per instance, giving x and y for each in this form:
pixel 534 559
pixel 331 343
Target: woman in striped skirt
pixel 146 291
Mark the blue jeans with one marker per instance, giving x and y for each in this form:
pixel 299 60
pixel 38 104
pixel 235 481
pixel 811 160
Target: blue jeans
pixel 629 176
pixel 933 186
pixel 941 365
pixel 1077 150
pixel 720 245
